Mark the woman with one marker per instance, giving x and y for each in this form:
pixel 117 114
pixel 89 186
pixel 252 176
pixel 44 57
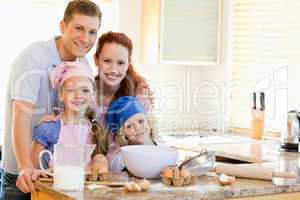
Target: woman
pixel 116 74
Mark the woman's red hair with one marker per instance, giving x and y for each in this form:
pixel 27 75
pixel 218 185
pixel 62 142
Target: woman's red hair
pixel 132 80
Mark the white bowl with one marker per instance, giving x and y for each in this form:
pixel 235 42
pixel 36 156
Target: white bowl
pixel 148 161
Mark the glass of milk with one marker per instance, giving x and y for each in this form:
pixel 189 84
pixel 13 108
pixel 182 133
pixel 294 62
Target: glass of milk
pixel 69 163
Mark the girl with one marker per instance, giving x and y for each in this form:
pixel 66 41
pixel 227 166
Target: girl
pixel 128 122
pixel 76 86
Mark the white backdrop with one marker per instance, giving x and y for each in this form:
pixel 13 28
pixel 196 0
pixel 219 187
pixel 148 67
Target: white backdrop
pixel 27 21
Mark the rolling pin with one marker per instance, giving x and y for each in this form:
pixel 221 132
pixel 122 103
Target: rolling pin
pixel 251 172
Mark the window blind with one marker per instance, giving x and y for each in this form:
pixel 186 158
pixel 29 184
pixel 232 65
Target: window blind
pixel 266 36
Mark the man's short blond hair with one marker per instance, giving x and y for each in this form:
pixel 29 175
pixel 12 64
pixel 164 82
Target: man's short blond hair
pixel 84 7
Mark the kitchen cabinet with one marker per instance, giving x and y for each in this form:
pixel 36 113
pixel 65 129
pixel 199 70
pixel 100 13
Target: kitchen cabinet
pixel 181 32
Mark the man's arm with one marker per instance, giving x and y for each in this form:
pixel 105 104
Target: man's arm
pixel 21 138
pixel 21 132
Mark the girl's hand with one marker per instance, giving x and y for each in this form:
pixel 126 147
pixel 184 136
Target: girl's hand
pixel 43 174
pixel 88 169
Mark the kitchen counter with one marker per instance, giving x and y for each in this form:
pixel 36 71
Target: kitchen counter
pixel 233 147
pixel 206 187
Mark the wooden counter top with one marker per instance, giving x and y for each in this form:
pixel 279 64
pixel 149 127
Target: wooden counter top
pixel 206 187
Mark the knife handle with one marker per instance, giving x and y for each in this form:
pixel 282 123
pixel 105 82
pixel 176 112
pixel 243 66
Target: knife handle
pixel 262 101
pixel 254 100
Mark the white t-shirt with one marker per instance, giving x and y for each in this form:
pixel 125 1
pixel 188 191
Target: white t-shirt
pixel 29 82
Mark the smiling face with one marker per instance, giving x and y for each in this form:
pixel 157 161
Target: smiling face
pixel 136 128
pixel 112 62
pixel 76 94
pixel 78 36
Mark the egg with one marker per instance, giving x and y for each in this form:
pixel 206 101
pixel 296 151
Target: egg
pixel 144 184
pixel 226 180
pixel 127 187
pixel 178 181
pixel 167 172
pixel 176 172
pixel 185 173
pixel 177 177
pixel 166 180
pixel 135 187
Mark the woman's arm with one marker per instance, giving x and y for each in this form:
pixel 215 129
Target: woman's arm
pixel 35 152
pixel 146 97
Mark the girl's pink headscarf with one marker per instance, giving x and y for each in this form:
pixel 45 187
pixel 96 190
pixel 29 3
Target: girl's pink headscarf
pixel 66 70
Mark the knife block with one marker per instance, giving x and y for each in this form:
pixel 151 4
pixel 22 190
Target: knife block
pixel 257 124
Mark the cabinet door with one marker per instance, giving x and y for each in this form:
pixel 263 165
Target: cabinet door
pixel 190 32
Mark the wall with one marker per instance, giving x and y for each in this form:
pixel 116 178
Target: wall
pixel 186 96
pixel 176 87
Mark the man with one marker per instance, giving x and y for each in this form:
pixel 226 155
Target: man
pixel 30 95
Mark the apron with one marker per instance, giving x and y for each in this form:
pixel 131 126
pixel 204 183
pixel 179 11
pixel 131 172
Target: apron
pixel 73 135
